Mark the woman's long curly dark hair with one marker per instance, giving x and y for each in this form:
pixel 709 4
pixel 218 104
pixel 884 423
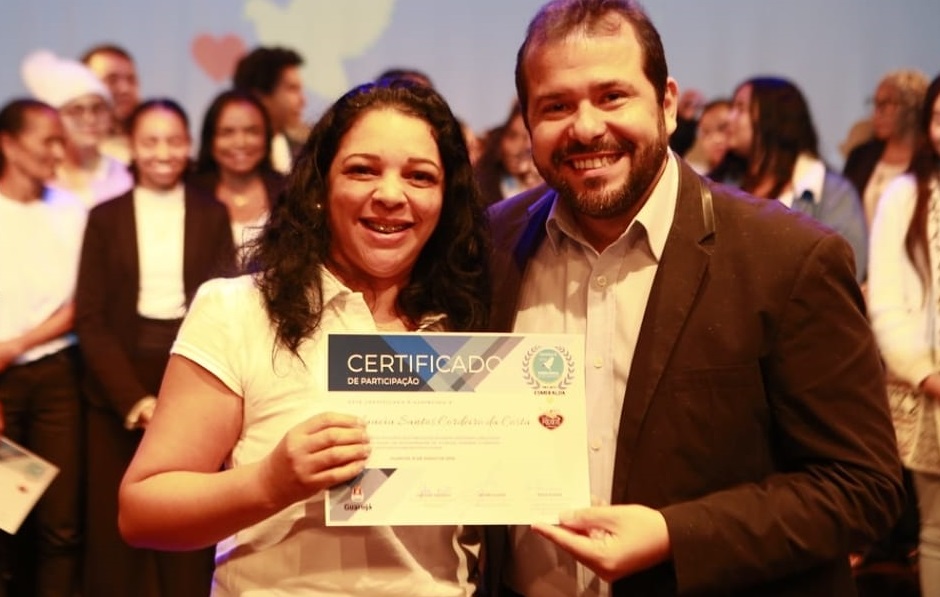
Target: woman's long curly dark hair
pixel 450 275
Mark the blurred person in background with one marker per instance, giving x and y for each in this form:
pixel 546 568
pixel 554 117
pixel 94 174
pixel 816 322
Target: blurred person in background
pixel 773 152
pixel 115 67
pixel 40 239
pixel 903 294
pixel 896 132
pixel 84 104
pixel 505 167
pixel 234 162
pixel 273 75
pixel 144 255
pixel 691 102
pixel 711 137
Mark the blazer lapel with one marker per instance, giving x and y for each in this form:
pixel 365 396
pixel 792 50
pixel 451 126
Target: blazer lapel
pixel 192 248
pixel 681 270
pixel 125 229
pixel 523 236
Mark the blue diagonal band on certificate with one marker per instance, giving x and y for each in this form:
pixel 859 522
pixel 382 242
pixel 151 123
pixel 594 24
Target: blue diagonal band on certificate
pixel 477 428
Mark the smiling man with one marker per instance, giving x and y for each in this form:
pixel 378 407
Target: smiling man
pixel 736 407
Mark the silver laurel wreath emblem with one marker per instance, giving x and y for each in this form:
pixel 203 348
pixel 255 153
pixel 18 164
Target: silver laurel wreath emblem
pixel 548 367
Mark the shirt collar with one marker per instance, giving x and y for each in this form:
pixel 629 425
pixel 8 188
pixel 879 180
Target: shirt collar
pixel 809 174
pixel 151 196
pixel 651 224
pixel 334 289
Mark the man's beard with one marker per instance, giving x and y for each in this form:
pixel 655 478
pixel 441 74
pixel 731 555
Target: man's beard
pixel 645 165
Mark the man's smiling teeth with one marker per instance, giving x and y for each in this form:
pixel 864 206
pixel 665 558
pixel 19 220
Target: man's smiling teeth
pixel 596 162
pixel 385 228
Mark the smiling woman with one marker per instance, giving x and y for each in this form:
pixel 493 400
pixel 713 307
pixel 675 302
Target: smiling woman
pixel 386 187
pixel 235 164
pixel 144 255
pixel 380 227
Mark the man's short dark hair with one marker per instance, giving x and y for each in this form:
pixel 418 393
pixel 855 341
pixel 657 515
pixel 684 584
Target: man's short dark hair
pixel 260 70
pixel 107 48
pixel 559 18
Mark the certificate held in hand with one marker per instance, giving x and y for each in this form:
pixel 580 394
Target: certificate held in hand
pixel 23 479
pixel 465 428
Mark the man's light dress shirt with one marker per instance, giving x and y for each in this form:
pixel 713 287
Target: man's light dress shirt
pixel 569 287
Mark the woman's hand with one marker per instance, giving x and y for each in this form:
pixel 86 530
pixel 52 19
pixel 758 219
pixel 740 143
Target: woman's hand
pixel 322 451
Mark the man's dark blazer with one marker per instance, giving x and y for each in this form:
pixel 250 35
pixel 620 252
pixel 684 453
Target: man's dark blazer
pixel 755 416
pixel 108 283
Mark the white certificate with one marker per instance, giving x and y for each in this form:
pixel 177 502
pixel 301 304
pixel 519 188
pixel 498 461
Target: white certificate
pixel 23 478
pixel 465 429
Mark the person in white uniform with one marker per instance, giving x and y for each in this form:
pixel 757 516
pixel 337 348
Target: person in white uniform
pixel 40 239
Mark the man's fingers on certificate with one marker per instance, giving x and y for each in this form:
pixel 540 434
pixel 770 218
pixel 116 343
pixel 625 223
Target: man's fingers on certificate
pixel 589 546
pixel 614 541
pixel 599 517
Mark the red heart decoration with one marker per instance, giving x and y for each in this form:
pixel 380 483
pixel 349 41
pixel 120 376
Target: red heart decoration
pixel 217 56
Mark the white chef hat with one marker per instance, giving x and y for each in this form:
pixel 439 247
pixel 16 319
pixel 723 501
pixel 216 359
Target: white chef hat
pixel 57 81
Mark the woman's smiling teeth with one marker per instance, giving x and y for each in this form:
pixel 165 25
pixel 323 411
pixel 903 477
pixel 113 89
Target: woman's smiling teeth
pixel 593 162
pixel 385 227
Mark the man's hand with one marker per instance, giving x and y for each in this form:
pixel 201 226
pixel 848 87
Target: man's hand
pixel 613 541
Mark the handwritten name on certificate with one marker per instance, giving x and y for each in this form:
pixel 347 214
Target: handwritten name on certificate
pixel 23 479
pixel 465 429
